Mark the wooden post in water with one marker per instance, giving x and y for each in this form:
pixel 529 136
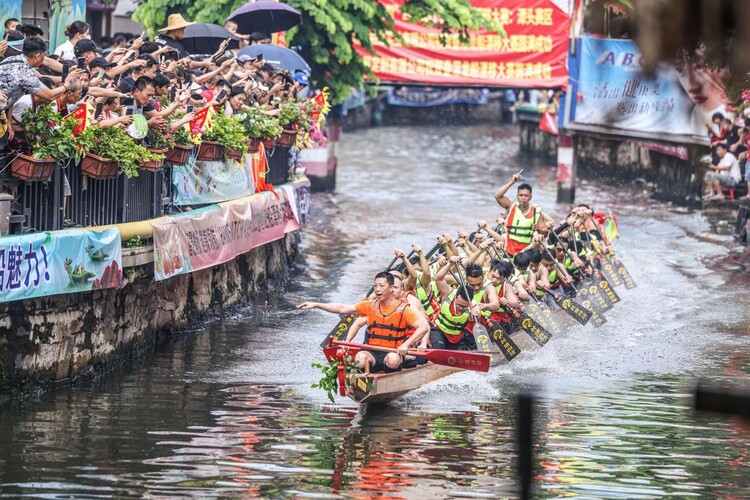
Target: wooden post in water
pixel 524 441
pixel 566 168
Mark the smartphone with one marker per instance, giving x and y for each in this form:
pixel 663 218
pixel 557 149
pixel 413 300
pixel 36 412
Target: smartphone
pixel 143 35
pixel 116 81
pixel 65 70
pixel 100 74
pixel 520 172
pixel 161 60
pixel 81 63
pixel 196 97
pixel 189 108
pixel 173 94
pixel 228 54
pixel 221 95
pixel 99 108
pixel 259 57
pixel 129 111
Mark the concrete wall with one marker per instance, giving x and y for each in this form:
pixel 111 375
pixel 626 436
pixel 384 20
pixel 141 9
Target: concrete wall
pixel 56 339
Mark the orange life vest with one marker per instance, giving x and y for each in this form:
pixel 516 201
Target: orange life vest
pixel 388 330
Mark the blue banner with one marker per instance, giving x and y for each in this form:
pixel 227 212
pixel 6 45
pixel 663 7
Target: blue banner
pixel 50 263
pixel 422 97
pixel 676 103
pixel 202 182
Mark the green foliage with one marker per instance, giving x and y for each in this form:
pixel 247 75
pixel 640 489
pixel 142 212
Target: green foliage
pixel 289 114
pixel 329 382
pixel 259 125
pixel 115 144
pixel 182 137
pixel 331 28
pixel 229 132
pixel 133 242
pixel 50 135
pixel 158 140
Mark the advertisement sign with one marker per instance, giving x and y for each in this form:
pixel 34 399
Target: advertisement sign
pixel 678 100
pixel 213 235
pixel 533 54
pixel 200 182
pixel 51 263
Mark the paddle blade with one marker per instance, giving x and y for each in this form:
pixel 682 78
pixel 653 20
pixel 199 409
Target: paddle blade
pixel 339 331
pixel 573 309
pixel 459 359
pixel 484 342
pixel 624 274
pixel 534 329
pixel 609 272
pixel 608 292
pixel 503 341
pixel 596 318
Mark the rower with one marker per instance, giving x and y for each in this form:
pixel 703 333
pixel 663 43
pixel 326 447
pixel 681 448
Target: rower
pixel 499 274
pixel 523 279
pixel 388 320
pixel 523 217
pixel 420 282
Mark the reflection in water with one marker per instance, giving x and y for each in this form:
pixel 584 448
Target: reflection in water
pixel 227 410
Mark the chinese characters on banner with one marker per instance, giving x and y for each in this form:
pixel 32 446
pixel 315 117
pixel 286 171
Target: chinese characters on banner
pixel 532 55
pixel 199 182
pixel 41 264
pixel 213 235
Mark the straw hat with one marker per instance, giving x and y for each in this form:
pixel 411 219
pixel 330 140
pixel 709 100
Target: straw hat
pixel 175 22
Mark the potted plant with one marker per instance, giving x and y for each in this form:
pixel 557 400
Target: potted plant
pixel 50 138
pixel 290 115
pixel 179 153
pixel 157 143
pixel 260 127
pixel 229 134
pixel 113 152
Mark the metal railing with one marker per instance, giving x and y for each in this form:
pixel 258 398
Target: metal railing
pixel 42 206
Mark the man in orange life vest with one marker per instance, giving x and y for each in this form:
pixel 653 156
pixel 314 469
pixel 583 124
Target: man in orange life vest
pixel 388 321
pixel 523 217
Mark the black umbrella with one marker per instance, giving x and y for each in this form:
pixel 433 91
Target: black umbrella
pixel 266 16
pixel 205 38
pixel 278 56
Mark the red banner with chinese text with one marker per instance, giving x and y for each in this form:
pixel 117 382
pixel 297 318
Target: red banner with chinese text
pixel 533 54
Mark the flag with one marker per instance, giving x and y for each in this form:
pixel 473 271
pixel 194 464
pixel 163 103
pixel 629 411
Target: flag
pixel 81 116
pixel 202 121
pixel 611 230
pixel 548 123
pixel 321 100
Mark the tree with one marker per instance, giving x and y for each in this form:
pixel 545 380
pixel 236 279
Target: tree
pixel 331 29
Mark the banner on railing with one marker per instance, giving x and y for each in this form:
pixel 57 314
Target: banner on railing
pixel 678 100
pixel 533 54
pixel 213 235
pixel 419 97
pixel 200 182
pixel 51 263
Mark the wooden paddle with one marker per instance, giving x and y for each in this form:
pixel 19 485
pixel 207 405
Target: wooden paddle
pixel 502 340
pixel 536 331
pixel 458 359
pixel 572 308
pixel 339 331
pixel 624 273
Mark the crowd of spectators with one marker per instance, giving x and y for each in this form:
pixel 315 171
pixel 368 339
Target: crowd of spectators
pixel 730 143
pixel 126 75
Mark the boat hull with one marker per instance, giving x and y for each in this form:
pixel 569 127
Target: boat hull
pixel 384 387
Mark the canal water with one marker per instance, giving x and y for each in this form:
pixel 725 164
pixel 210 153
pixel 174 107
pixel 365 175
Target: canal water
pixel 227 409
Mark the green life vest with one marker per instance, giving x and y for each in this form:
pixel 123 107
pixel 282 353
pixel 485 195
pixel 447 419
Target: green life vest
pixel 447 322
pixel 518 226
pixel 572 269
pixel 552 278
pixel 424 297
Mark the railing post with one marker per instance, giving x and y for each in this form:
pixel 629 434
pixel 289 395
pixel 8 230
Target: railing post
pixel 5 200
pixel 566 169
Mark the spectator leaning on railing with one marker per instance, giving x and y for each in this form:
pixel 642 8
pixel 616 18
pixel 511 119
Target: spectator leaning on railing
pixel 18 78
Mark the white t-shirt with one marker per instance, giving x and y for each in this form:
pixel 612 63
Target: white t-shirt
pixel 65 51
pixel 730 161
pixel 20 107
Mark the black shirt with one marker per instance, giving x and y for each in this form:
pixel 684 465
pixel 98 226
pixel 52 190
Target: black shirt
pixel 171 42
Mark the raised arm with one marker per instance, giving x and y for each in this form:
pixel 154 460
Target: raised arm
pixel 408 265
pixel 442 284
pixel 355 327
pixel 425 278
pixel 500 197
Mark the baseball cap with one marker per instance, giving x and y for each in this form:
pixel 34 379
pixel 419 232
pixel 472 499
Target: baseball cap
pixel 83 46
pixel 100 62
pixel 245 58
